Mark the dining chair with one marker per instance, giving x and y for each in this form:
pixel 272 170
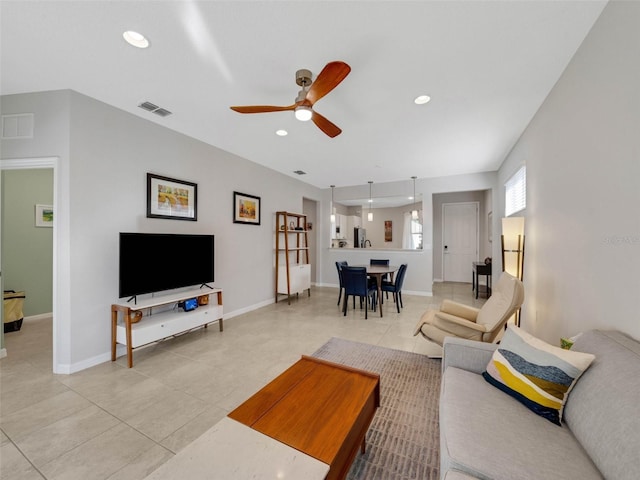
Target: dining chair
pixel 356 284
pixel 379 261
pixel 339 266
pixel 395 287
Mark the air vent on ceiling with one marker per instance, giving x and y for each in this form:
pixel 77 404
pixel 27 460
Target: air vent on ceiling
pixel 299 172
pixel 163 112
pixel 153 108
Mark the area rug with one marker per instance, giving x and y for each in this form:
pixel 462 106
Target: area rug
pixel 403 439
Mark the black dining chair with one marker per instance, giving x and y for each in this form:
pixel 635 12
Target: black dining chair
pixel 355 284
pixel 379 261
pixel 339 266
pixel 396 286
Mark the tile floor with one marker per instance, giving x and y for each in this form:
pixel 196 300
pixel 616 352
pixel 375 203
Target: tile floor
pixel 112 422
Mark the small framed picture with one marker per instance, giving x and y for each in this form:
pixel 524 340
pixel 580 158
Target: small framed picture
pixel 246 209
pixel 171 198
pixel 44 216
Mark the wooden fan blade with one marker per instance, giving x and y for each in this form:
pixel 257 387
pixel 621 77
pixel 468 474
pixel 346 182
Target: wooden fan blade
pixel 262 108
pixel 328 79
pixel 325 125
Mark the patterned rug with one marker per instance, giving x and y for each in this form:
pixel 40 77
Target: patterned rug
pixel 403 439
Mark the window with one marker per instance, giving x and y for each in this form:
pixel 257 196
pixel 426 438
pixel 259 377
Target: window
pixel 416 234
pixel 516 192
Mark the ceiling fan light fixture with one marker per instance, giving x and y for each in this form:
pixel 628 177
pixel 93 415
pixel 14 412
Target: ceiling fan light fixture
pixel 135 39
pixel 303 113
pixel 331 75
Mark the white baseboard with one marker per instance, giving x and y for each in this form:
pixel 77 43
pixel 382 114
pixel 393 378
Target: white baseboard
pixel 3 352
pixel 438 280
pixel 418 293
pixel 40 316
pixel 68 369
pixel 248 309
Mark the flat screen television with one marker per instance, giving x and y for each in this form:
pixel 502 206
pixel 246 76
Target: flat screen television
pixel 153 262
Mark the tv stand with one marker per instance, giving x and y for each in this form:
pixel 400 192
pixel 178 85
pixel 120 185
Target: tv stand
pixel 167 323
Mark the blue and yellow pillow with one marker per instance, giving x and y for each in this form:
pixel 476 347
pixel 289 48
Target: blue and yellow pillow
pixel 535 373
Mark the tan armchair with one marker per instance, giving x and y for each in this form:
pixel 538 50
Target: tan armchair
pixel 458 320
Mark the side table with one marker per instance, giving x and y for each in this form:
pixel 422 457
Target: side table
pixel 480 268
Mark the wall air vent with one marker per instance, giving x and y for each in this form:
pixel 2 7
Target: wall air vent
pixel 299 172
pixel 16 126
pixel 153 108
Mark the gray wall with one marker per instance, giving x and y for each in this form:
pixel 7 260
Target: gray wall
pixel 583 226
pixel 27 250
pixel 582 154
pixel 104 155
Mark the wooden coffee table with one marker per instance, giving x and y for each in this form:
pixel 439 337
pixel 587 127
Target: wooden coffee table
pixel 320 408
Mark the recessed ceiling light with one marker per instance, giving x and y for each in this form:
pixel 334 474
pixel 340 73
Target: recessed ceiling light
pixel 136 39
pixel 282 133
pixel 422 99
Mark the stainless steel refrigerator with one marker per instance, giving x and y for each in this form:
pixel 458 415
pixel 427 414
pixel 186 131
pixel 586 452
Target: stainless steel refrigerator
pixel 359 236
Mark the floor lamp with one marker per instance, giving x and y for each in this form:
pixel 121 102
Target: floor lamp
pixel 513 250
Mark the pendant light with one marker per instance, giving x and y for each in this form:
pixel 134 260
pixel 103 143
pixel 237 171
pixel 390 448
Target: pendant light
pixel 333 209
pixel 414 212
pixel 370 214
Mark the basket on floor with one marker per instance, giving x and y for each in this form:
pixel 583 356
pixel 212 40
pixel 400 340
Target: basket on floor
pixel 13 315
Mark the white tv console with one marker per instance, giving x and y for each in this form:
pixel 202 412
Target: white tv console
pixel 158 326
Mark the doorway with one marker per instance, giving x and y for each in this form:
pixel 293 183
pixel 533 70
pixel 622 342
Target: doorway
pixel 44 164
pixel 459 240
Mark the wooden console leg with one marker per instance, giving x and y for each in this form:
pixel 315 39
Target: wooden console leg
pixel 363 447
pixel 220 303
pixel 114 321
pixel 127 322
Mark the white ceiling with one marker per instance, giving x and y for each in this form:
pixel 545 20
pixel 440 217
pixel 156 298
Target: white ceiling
pixel 487 65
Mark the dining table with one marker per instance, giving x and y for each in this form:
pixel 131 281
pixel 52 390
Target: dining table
pixel 377 272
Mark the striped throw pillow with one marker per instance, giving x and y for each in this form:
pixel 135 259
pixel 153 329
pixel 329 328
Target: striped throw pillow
pixel 537 374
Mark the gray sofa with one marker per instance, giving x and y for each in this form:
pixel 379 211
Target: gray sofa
pixel 486 434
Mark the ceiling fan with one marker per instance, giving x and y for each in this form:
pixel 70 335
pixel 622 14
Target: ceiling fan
pixel 331 75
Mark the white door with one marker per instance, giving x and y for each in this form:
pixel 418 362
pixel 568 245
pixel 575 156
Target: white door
pixel 459 240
